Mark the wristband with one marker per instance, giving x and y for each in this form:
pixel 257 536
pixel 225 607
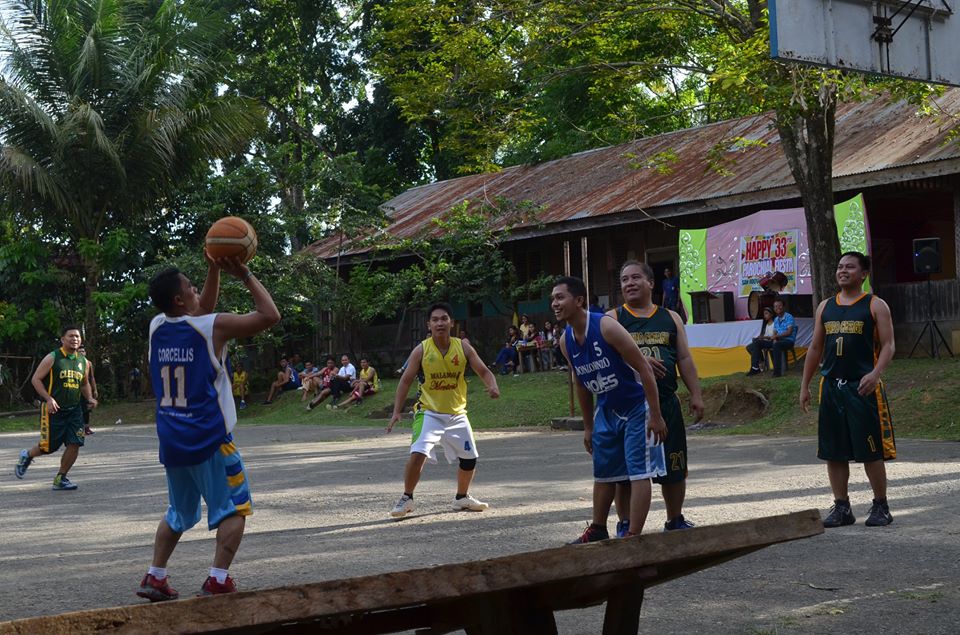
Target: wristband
pixel 247 275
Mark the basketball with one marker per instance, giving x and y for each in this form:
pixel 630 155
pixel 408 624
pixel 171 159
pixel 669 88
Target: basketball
pixel 232 236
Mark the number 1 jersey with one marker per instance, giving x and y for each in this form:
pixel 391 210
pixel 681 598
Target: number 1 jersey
pixel 195 410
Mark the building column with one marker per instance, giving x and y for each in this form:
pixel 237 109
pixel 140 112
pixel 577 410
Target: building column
pixel 956 227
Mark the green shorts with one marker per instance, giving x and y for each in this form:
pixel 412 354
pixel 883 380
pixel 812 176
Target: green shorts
pixel 675 447
pixel 854 427
pixel 64 427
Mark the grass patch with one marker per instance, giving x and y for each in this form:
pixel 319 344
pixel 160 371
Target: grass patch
pixel 922 392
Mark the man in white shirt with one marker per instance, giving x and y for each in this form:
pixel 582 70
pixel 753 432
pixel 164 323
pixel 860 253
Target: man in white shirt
pixel 343 382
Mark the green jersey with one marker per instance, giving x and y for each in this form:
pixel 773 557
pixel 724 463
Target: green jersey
pixel 850 345
pixel 656 335
pixel 65 378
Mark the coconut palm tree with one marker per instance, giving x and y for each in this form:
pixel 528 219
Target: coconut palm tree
pixel 104 106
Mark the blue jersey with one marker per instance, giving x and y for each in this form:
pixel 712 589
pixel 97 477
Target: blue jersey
pixel 195 409
pixel 601 369
pixel 294 376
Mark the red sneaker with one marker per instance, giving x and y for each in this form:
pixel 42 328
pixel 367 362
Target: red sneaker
pixel 212 587
pixel 157 590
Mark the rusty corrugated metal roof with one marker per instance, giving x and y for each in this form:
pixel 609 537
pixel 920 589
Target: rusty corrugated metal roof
pixel 869 136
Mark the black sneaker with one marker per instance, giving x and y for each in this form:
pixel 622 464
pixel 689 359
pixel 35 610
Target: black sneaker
pixel 753 371
pixel 591 534
pixel 879 515
pixel 840 515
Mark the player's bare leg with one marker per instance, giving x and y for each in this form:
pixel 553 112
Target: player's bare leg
pixel 411 472
pixel 639 504
pixel 69 457
pixel 603 495
pixel 163 544
pixel 839 474
pixel 229 535
pixel 673 496
pixel 877 475
pixel 622 500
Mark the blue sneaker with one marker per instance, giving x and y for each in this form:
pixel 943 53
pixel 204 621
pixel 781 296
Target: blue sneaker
pixel 23 463
pixel 243 405
pixel 678 523
pixel 623 528
pixel 61 482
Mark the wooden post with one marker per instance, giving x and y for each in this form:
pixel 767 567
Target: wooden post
pixel 622 615
pixel 585 266
pixel 956 227
pixel 566 272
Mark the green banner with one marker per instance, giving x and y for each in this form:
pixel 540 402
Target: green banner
pixel 852 228
pixel 693 266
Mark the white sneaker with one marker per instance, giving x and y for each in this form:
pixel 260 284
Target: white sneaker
pixel 469 503
pixel 403 507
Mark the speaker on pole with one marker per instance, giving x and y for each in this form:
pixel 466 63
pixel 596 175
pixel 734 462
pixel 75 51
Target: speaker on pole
pixel 926 255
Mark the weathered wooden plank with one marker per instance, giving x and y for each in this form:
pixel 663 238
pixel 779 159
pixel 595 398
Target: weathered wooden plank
pixel 668 554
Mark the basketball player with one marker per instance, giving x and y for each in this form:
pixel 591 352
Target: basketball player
pixel 625 432
pixel 196 416
pixel 663 341
pixel 853 334
pixel 87 430
pixel 441 413
pixel 62 381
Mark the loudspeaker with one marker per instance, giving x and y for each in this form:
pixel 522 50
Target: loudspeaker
pixel 926 255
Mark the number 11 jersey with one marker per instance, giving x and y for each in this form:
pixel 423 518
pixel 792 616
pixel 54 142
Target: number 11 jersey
pixel 195 410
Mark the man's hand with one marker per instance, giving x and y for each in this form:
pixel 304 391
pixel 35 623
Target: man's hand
pixel 696 408
pixel 659 370
pixel 493 391
pixel 658 427
pixel 805 398
pixel 868 383
pixel 588 440
pixel 233 266
pixel 393 421
pixel 92 403
pixel 52 406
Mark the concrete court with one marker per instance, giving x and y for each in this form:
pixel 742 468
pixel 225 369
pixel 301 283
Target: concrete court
pixel 321 497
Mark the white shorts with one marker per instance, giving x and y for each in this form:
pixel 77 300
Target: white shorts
pixel 453 432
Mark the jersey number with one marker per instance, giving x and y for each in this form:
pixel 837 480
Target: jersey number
pixel 651 351
pixel 839 347
pixel 180 377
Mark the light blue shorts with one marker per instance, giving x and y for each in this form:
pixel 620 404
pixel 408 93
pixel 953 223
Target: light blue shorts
pixel 622 449
pixel 222 483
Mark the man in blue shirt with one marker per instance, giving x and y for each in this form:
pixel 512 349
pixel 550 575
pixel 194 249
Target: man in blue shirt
pixel 784 335
pixel 671 290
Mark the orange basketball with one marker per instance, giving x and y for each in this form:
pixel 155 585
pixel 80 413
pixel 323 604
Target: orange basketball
pixel 232 236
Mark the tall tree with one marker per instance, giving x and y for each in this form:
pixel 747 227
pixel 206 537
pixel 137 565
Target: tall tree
pixel 104 107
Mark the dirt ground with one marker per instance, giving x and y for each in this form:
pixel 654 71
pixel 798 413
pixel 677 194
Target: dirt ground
pixel 321 497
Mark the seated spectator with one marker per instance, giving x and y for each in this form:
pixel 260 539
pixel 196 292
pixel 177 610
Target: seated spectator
pixel 507 357
pixel 343 382
pixel 240 385
pixel 135 382
pixel 558 359
pixel 309 380
pixel 766 331
pixel 368 383
pixel 784 335
pixel 287 379
pixel 297 364
pixel 546 342
pixel 325 378
pixel 527 329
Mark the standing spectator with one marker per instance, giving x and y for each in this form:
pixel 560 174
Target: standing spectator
pixel 784 334
pixel 368 383
pixel 135 382
pixel 546 343
pixel 595 305
pixel 240 384
pixel 671 290
pixel 327 374
pixel 527 329
pixel 87 430
pixel 61 380
pixel 287 379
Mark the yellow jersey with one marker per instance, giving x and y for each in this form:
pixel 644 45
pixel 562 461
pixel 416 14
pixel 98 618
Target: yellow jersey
pixel 444 388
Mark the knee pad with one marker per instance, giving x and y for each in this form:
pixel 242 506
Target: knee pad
pixel 467 465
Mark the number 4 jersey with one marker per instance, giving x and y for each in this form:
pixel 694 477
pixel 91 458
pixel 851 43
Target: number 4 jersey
pixel 195 410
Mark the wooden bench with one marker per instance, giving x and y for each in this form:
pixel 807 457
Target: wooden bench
pixel 502 596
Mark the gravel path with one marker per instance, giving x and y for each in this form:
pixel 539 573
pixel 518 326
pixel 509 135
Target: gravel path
pixel 321 496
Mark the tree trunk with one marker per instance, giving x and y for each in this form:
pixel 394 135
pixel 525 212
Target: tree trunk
pixel 807 141
pixel 91 331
